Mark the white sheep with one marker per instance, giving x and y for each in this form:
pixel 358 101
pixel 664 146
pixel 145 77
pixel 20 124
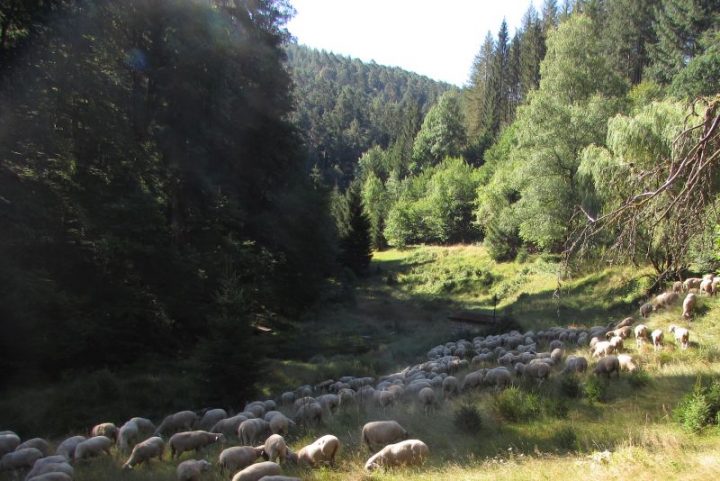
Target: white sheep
pixel 153 447
pixel 22 458
pixel 279 478
pixel 427 398
pixel 677 286
pixel 238 457
pixel 706 286
pixel 322 450
pixel 682 335
pixel 603 348
pixel 275 449
pixel 641 334
pixel 404 453
pixel 308 414
pixel 180 421
pixel 646 309
pixel 623 332
pixel 211 417
pixel 192 469
pixel 657 338
pixel 109 430
pixel 229 426
pixel 253 431
pixel 692 283
pixel 128 436
pixel 627 363
pixel 380 433
pixel 92 447
pixel 192 440
pixel 8 442
pixel 258 470
pixel 280 424
pixel 44 468
pixel 37 443
pixel 67 447
pixel 666 299
pixel 617 343
pixel 51 476
pixel 689 305
pixel 535 370
pixel 384 398
pixel 145 426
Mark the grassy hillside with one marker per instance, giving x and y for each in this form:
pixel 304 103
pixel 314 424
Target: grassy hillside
pixel 532 432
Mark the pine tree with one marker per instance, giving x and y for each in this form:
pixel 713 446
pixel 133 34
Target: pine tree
pixel 532 51
pixel 355 243
pixel 629 32
pixel 496 92
pixel 476 92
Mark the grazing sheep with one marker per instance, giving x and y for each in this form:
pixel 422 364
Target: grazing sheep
pixel 279 478
pixel 37 443
pixel 67 447
pixel 623 332
pixel 657 338
pixel 8 442
pixel 308 414
pixel 287 398
pixel 22 458
pixel 128 435
pixel 641 334
pixel 689 305
pixel 575 364
pixel 556 355
pixel 646 309
pixel 603 348
pixel 323 450
pixel 329 402
pixel 192 440
pixel 256 471
pixel 144 425
pixel 682 335
pixel 280 424
pixel 404 453
pixel 626 363
pixel 677 286
pixel 180 421
pixel 253 431
pixel 384 398
pixel 55 459
pixel 627 322
pixel 617 343
pixel 238 457
pixel 450 386
pixel 427 398
pixel 666 299
pixel 52 476
pixel 109 430
pixel 607 365
pixel 498 376
pixel 380 433
pixel 692 283
pixel 153 447
pixel 211 418
pixel 706 286
pixel 473 379
pixel 44 468
pixel 275 448
pixel 92 447
pixel 192 469
pixel 229 426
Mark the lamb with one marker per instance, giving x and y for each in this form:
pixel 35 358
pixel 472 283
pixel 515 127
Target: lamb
pixel 280 424
pixel 192 469
pixel 22 458
pixel 37 443
pixel 192 440
pixel 657 337
pixel 180 421
pixel 275 448
pixel 626 363
pixel 404 453
pixel 323 450
pixel 380 433
pixel 92 447
pixel 607 365
pixel 689 305
pixel 68 446
pixel 8 442
pixel 646 309
pixel 51 476
pixel 44 468
pixel 641 334
pixel 257 471
pixel 153 447
pixel 128 435
pixel 229 426
pixel 253 431
pixel 238 457
pixel 682 335
pixel 427 399
pixel 575 364
pixel 450 386
pixel 211 418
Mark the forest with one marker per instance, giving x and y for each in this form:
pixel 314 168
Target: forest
pixel 176 176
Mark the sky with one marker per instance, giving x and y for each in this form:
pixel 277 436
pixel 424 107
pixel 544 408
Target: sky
pixel 435 38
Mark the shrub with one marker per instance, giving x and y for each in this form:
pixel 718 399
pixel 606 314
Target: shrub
pixel 467 418
pixel 516 405
pixel 639 379
pixel 699 408
pixel 565 438
pixel 570 386
pixel 595 390
pixel 555 407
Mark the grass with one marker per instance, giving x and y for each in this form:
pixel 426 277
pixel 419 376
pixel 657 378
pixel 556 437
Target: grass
pixel 400 311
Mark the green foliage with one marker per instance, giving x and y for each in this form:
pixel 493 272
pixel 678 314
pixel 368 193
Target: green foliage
pixel 701 77
pixel 516 405
pixel 571 387
pixel 355 241
pixel 699 408
pixel 467 418
pixel 565 438
pixel 442 133
pixel 639 378
pixel 595 390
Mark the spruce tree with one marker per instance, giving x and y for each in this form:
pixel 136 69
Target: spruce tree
pixel 355 242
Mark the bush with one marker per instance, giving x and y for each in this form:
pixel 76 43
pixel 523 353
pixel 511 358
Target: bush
pixel 639 379
pixel 699 408
pixel 565 438
pixel 557 408
pixel 570 386
pixel 595 390
pixel 516 405
pixel 467 418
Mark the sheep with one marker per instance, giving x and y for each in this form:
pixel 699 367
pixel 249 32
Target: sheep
pixel 689 305
pixel 238 457
pixel 8 442
pixel 22 458
pixel 253 430
pixel 92 447
pixel 575 364
pixel 322 450
pixel 706 286
pixel 556 355
pixel 180 421
pixel 623 332
pixel 384 398
pixel 55 459
pixel 626 363
pixel 450 386
pixel 607 365
pixel 677 287
pixel 275 449
pixel 279 478
pixel 603 348
pixel 692 283
pixel 109 430
pixel 51 476
pixel 128 435
pixel 617 343
pixel 229 426
pixel 144 425
pixel 329 402
pixel 256 471
pixel 192 440
pixel 657 338
pixel 153 447
pixel 37 443
pixel 408 452
pixel 380 433
pixel 287 398
pixel 666 299
pixel 641 334
pixel 68 446
pixel 535 370
pixel 427 399
pixel 192 469
pixel 499 376
pixel 307 414
pixel 280 424
pixel 682 335
pixel 210 418
pixel 646 309
pixel 44 468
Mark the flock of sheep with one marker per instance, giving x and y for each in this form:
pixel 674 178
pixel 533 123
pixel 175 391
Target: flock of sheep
pixel 493 361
